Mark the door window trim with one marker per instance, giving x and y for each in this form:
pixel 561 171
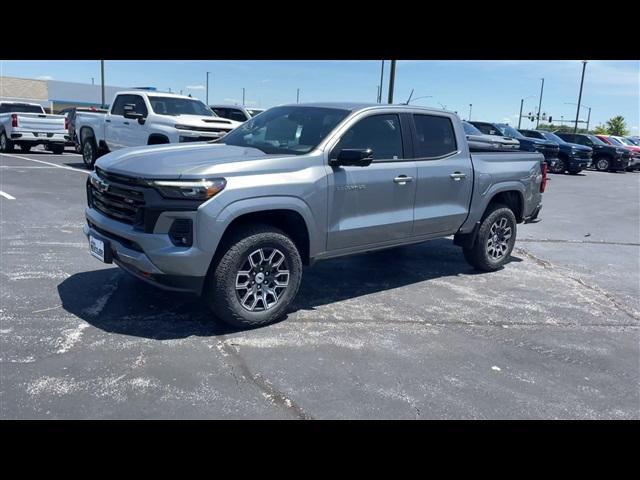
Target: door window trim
pixel 416 146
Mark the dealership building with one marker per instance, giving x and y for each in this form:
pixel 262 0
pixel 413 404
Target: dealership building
pixel 55 95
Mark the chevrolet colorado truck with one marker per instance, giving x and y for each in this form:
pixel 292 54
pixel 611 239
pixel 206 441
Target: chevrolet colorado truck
pixel 27 125
pixel 605 157
pixel 140 117
pixel 235 220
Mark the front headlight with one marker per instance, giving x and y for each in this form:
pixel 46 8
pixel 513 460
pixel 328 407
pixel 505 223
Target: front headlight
pixel 189 189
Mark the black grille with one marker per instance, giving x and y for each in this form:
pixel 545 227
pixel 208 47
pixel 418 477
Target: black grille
pixel 206 129
pixel 118 200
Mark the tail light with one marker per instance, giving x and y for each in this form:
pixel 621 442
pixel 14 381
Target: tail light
pixel 543 184
pixel 14 120
pixel 66 123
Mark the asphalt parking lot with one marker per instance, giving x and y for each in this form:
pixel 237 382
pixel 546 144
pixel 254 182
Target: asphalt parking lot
pixel 408 333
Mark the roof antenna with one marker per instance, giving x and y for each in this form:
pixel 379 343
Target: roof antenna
pixel 411 95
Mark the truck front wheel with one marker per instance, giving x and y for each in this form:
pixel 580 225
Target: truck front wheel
pixel 256 278
pixel 495 240
pixel 89 152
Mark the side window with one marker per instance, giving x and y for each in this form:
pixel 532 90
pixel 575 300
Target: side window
pixel 380 133
pixel 118 105
pixel 237 115
pixel 435 136
pixel 484 128
pixel 141 107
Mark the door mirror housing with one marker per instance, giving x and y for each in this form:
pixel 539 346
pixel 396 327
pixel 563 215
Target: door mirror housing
pixel 353 157
pixel 130 112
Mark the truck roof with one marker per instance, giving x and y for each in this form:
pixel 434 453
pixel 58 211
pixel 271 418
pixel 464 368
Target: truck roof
pixel 354 106
pixel 153 93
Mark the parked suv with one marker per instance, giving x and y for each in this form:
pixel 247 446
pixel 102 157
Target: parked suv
pixel 547 148
pixel 572 157
pixel 237 113
pixel 605 158
pixel 235 219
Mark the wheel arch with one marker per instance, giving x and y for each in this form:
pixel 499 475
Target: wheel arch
pixel 157 139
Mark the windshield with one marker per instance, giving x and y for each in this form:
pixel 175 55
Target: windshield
pixel 254 111
pixel 20 108
pixel 509 131
pixel 470 129
pixel 615 141
pixel 634 141
pixel 179 106
pixel 595 140
pixel 287 130
pixel 553 137
pixel 626 142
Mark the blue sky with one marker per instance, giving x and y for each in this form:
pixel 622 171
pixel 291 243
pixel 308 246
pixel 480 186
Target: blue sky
pixel 493 87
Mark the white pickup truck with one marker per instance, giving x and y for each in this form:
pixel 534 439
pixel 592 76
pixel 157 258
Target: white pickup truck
pixel 28 125
pixel 140 117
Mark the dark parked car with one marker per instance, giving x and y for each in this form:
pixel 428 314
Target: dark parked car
pixel 572 157
pixel 547 148
pixel 605 158
pixel 479 142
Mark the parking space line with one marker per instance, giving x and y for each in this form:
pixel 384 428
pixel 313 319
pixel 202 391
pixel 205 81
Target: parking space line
pixel 46 163
pixel 6 195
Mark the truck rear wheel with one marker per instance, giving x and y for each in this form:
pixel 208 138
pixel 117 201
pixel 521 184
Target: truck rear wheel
pixel 256 278
pixel 57 149
pixel 89 151
pixel 495 240
pixel 603 164
pixel 6 145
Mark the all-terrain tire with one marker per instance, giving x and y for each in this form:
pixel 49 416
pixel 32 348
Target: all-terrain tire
pixel 480 255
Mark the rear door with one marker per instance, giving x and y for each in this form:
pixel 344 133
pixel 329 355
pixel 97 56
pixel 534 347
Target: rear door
pixel 445 175
pixel 374 204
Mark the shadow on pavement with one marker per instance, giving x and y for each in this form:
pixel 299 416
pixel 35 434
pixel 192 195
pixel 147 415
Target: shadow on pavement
pixel 114 301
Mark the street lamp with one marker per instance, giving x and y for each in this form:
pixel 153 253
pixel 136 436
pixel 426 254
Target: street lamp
pixel 584 66
pixel 470 107
pixel 208 88
pixel 540 104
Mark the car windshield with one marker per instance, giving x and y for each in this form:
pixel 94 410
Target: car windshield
pixel 634 141
pixel 291 130
pixel 470 129
pixel 254 111
pixel 179 106
pixel 553 137
pixel 509 131
pixel 615 141
pixel 626 142
pixel 595 140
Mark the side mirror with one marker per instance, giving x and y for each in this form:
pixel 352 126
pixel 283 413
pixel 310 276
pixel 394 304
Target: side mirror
pixel 353 157
pixel 130 112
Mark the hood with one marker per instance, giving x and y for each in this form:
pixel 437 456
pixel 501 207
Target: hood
pixel 580 148
pixel 183 160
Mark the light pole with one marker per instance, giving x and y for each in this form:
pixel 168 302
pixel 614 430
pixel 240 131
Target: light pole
pixel 243 96
pixel 381 82
pixel 583 106
pixel 584 66
pixel 102 79
pixel 207 89
pixel 392 80
pixel 540 104
pixel 470 107
pixel 521 104
pixel 298 96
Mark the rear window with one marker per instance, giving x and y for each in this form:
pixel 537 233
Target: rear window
pixel 435 136
pixel 20 108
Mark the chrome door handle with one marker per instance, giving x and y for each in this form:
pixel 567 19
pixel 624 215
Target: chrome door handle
pixel 457 176
pixel 403 179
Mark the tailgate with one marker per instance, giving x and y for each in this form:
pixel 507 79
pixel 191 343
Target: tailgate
pixel 40 123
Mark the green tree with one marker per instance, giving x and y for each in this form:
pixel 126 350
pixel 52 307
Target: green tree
pixel 601 130
pixel 617 126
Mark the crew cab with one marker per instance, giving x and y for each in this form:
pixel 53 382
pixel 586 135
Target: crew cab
pixel 239 113
pixel 235 219
pixel 634 161
pixel 479 142
pixel 27 125
pixel 140 117
pixel 572 157
pixel 549 149
pixel 605 157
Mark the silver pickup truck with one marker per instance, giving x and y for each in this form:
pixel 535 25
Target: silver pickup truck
pixel 236 219
pixel 27 125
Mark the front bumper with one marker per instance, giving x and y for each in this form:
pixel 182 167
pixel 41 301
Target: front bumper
pixel 634 163
pixel 576 163
pixel 151 257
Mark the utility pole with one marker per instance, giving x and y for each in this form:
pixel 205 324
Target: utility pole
pixel 378 94
pixel 92 81
pixel 584 66
pixel 298 96
pixel 207 89
pixel 588 118
pixel 470 107
pixel 392 79
pixel 243 96
pixel 540 104
pixel 102 79
pixel 381 82
pixel 520 116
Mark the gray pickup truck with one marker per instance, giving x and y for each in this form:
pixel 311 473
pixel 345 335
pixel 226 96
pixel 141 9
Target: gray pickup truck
pixel 235 220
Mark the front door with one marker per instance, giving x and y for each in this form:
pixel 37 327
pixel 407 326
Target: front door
pixel 374 204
